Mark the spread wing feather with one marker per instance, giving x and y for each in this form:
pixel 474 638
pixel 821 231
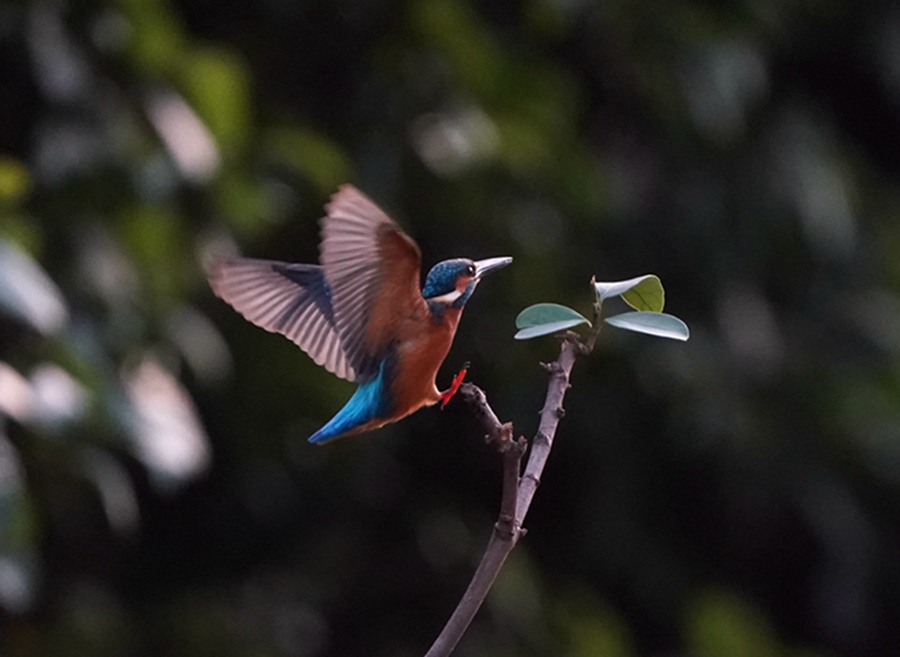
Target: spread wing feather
pixel 343 313
pixel 293 300
pixel 372 270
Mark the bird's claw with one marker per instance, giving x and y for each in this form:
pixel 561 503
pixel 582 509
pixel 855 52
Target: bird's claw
pixel 447 395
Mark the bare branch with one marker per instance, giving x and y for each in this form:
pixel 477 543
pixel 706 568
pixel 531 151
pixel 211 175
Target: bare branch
pixel 550 416
pixel 506 530
pixel 477 401
pixel 518 491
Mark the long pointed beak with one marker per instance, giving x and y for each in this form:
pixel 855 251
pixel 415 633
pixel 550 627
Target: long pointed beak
pixel 482 267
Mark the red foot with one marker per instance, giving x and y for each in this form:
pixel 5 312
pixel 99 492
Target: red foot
pixel 447 395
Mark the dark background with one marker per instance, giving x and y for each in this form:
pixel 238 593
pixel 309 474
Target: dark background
pixel 735 495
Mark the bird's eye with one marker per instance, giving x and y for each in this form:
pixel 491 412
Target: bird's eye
pixel 470 270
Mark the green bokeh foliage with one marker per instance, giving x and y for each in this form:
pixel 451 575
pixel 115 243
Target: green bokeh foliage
pixel 733 495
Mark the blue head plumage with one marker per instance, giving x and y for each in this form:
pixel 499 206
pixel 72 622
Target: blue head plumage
pixel 450 283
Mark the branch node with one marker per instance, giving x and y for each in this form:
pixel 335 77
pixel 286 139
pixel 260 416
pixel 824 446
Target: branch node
pixel 560 412
pixel 514 447
pixel 506 528
pixel 575 339
pixel 503 438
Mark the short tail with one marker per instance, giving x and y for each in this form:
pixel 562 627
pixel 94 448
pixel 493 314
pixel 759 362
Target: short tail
pixel 368 408
pixel 325 435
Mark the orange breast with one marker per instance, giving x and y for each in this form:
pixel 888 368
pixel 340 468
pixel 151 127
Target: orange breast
pixel 421 349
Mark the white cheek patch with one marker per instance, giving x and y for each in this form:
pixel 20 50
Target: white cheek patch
pixel 448 298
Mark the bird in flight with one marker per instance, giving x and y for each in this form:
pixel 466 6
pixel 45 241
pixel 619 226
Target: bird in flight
pixel 361 313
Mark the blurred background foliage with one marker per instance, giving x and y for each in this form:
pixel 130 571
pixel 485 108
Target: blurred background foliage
pixel 735 495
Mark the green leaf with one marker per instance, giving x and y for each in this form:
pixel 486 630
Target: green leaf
pixel 217 84
pixel 658 324
pixel 312 154
pixel 545 313
pixel 644 293
pixel 14 181
pixel 546 329
pixel 546 318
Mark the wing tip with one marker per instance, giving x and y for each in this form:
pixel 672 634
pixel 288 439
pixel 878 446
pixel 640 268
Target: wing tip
pixel 345 193
pixel 214 270
pixel 217 268
pixel 213 264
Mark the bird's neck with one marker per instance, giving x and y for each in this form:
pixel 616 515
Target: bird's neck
pixel 441 313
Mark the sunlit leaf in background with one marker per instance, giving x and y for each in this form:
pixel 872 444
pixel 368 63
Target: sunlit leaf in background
pixel 14 181
pixel 28 293
pixel 310 154
pixel 201 344
pixel 593 627
pixel 454 29
pixel 58 400
pixel 217 85
pixel 154 235
pixel 115 489
pixel 246 205
pixel 19 568
pixel 21 231
pixel 168 435
pixel 722 623
pixel 156 38
pixel 16 397
pixel 453 142
pixel 184 135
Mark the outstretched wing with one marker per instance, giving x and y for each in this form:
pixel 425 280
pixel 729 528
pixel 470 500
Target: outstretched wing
pixel 290 299
pixel 372 270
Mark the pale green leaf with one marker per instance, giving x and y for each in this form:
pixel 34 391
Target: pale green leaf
pixel 658 324
pixel 14 181
pixel 644 293
pixel 310 153
pixel 546 318
pixel 216 82
pixel 546 329
pixel 647 295
pixel 547 313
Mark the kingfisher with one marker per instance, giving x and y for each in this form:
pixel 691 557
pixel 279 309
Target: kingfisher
pixel 361 312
